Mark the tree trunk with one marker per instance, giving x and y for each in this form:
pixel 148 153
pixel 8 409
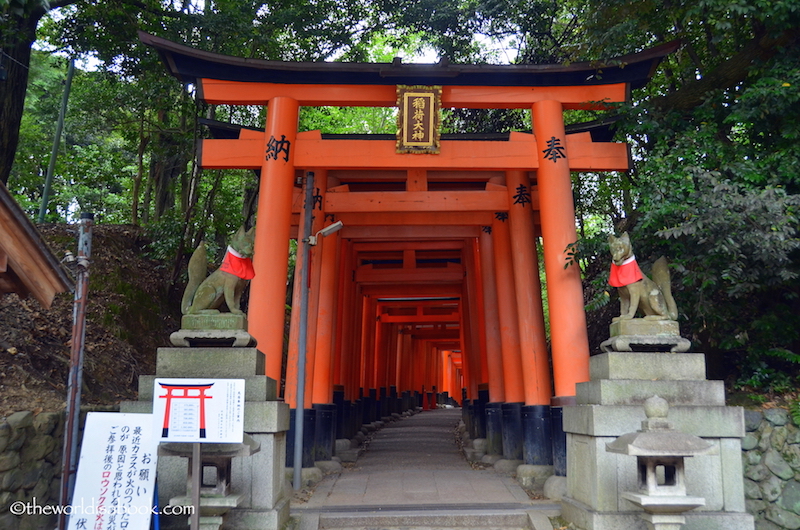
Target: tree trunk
pixel 250 202
pixel 17 35
pixel 191 194
pixel 148 194
pixel 165 171
pixel 137 182
pixel 15 59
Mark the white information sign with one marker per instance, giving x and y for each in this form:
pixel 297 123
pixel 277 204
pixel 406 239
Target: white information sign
pixel 116 473
pixel 199 410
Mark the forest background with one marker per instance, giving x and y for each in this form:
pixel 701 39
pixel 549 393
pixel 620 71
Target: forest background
pixel 715 136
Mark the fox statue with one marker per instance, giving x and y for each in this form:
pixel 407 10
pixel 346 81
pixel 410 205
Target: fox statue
pixel 637 292
pixel 224 284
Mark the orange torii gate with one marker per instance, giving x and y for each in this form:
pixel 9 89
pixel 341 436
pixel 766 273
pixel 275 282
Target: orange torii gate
pixel 433 282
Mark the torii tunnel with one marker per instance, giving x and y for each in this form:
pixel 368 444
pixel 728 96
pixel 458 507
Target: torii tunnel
pixel 430 293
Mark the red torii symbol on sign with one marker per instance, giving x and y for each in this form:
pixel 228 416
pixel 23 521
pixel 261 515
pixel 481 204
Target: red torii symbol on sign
pixel 176 391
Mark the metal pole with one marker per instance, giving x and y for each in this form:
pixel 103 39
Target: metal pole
pixel 70 454
pixel 301 341
pixel 48 181
pixel 194 518
pixel 156 520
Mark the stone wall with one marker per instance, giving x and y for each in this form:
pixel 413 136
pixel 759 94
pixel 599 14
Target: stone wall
pixel 30 467
pixel 771 454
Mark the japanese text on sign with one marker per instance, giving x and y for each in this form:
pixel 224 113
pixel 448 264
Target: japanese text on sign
pixel 199 410
pixel 418 119
pixel 116 473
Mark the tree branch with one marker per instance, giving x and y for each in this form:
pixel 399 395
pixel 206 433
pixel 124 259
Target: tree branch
pixel 727 74
pixel 55 4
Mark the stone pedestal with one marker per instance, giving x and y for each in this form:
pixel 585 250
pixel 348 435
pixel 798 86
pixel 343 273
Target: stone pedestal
pixel 610 405
pixel 212 328
pixel 257 480
pixel 641 334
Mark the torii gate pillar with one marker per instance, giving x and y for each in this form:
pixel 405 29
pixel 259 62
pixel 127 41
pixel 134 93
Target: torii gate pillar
pixel 271 262
pixel 569 337
pixel 533 346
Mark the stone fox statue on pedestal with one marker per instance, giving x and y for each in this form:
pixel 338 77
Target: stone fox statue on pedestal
pixel 226 283
pixel 637 291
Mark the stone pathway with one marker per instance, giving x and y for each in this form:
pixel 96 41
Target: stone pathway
pixel 414 466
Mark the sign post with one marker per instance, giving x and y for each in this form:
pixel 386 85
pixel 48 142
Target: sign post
pixel 194 520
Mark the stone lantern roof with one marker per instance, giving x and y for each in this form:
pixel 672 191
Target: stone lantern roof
pixel 657 437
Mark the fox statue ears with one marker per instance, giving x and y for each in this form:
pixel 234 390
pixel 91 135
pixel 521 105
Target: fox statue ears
pixel 623 237
pixel 241 232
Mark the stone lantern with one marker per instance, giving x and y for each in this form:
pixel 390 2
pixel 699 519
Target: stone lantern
pixel 214 482
pixel 660 453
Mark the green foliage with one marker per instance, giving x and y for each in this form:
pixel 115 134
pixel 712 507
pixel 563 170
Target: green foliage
pixel 95 165
pixel 351 120
pixel 794 411
pixel 37 130
pixel 599 301
pixel 714 186
pixel 20 8
pixel 485 121
pixel 744 238
pixel 587 250
pixel 165 237
pixel 758 375
pixel 590 254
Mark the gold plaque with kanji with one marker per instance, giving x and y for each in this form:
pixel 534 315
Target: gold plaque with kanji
pixel 419 119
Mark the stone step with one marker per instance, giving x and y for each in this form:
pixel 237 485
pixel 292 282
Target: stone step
pixel 407 527
pixel 474 521
pixel 422 517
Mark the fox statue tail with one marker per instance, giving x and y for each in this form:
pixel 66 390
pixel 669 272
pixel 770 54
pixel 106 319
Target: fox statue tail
pixel 661 277
pixel 198 267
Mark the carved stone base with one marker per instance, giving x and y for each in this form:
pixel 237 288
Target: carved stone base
pixel 641 334
pixel 211 319
pixel 223 338
pixel 674 344
pixel 644 326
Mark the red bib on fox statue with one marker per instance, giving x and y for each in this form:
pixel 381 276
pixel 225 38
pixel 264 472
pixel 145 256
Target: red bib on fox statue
pixel 238 265
pixel 625 274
